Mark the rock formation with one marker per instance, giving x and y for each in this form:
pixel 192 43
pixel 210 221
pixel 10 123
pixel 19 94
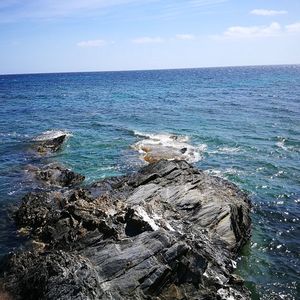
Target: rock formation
pixel 54 174
pixel 168 231
pixel 49 141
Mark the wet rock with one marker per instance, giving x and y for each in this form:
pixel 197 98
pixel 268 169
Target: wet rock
pixel 56 175
pixel 155 147
pixel 50 141
pixel 156 153
pixel 56 275
pixel 169 231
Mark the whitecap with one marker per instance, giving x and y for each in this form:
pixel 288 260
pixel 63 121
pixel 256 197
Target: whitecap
pixel 228 149
pixel 222 173
pixel 213 172
pixel 51 134
pixel 12 134
pixel 108 168
pixel 281 145
pixel 167 146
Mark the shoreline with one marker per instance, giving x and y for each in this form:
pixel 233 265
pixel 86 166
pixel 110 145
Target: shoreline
pixel 82 229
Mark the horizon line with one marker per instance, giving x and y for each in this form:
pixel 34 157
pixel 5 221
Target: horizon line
pixel 145 70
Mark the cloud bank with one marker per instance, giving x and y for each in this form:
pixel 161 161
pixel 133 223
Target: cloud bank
pixel 272 30
pixel 293 28
pixel 253 31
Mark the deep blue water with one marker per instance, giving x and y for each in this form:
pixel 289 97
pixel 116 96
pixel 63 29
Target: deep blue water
pixel 246 121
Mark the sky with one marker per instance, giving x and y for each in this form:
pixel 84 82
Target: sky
pixel 38 36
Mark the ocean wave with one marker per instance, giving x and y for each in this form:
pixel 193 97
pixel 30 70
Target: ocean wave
pixel 287 144
pixel 229 149
pixel 13 134
pixel 281 144
pixel 226 149
pixel 222 173
pixel 167 146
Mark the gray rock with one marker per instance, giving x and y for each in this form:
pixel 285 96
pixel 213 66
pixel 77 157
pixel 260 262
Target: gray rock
pixel 55 175
pixel 49 141
pixel 169 231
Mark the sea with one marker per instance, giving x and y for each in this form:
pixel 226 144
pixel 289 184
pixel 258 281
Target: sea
pixel 239 123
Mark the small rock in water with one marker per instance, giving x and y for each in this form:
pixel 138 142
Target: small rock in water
pixel 50 141
pixel 156 147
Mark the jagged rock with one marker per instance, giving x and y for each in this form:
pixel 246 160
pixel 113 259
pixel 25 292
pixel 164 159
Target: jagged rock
pixel 56 175
pixel 169 231
pixel 50 141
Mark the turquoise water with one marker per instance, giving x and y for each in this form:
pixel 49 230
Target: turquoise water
pixel 243 122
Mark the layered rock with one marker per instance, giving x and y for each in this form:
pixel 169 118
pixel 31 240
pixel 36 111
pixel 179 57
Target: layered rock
pixel 169 231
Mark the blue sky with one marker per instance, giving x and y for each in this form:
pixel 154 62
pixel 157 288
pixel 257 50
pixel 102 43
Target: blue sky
pixel 97 35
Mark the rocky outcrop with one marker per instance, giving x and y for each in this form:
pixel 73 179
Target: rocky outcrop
pixel 54 174
pixel 169 231
pixel 49 141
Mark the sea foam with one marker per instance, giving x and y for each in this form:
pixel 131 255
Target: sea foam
pixel 154 147
pixel 51 134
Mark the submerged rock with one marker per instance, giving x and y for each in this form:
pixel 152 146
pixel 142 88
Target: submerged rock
pixel 155 147
pixel 169 231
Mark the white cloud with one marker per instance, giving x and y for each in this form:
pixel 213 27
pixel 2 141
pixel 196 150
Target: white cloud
pixel 185 37
pixel 92 43
pixel 148 40
pixel 293 28
pixel 267 12
pixel 274 29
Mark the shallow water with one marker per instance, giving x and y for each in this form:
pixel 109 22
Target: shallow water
pixel 244 123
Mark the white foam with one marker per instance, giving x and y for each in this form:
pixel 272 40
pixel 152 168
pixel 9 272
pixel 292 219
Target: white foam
pixel 13 134
pixel 169 143
pixel 164 138
pixel 225 150
pixel 229 149
pixel 51 134
pixel 281 144
pixel 222 173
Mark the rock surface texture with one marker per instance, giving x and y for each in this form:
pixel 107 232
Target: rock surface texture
pixel 169 231
pixel 55 175
pixel 49 141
